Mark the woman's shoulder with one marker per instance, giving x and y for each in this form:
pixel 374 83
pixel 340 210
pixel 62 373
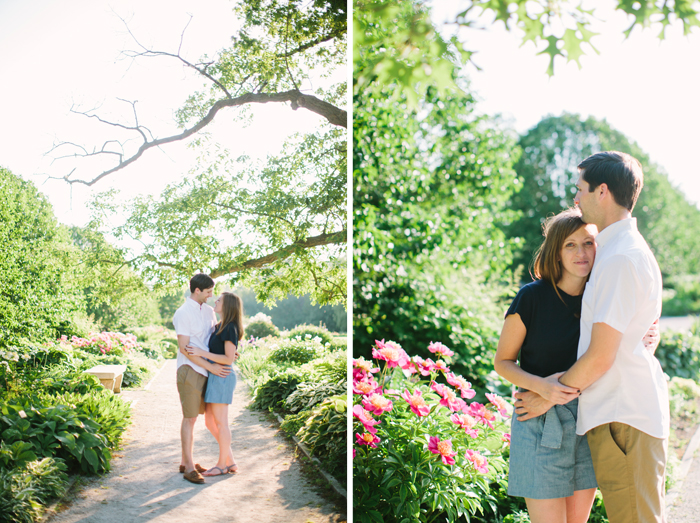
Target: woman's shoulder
pixel 536 287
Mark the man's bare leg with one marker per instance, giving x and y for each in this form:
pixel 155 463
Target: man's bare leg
pixel 187 440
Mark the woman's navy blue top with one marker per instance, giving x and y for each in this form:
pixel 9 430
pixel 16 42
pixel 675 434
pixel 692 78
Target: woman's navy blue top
pixel 216 341
pixel 553 328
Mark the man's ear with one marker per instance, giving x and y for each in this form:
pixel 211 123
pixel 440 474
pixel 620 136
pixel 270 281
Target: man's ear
pixel 603 191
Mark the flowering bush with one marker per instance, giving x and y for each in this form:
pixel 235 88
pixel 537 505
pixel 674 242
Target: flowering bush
pixel 112 343
pixel 422 452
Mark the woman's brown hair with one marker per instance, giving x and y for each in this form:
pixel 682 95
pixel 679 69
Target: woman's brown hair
pixel 556 229
pixel 231 312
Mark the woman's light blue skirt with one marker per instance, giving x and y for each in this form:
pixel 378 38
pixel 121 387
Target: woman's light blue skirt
pixel 220 390
pixel 547 459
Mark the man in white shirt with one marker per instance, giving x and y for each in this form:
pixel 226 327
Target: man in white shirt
pixel 194 322
pixel 623 408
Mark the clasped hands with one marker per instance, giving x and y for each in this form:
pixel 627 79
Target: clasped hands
pixel 530 404
pixel 218 369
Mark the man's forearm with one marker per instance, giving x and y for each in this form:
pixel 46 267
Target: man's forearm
pixel 597 360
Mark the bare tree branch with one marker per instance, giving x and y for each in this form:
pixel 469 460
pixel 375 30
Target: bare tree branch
pixel 313 43
pixel 297 99
pixel 339 237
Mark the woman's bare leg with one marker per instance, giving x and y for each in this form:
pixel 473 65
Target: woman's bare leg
pixel 547 510
pixel 219 412
pixel 578 506
pixel 210 421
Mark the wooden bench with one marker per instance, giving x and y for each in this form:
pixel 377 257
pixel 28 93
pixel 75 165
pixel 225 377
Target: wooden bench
pixel 109 375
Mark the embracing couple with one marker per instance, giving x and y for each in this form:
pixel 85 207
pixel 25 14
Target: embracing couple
pixel 593 402
pixel 205 379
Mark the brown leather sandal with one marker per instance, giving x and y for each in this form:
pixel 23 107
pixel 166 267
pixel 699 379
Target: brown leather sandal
pixel 194 477
pixel 197 467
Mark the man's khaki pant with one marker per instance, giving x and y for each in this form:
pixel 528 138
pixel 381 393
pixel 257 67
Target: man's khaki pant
pixel 629 467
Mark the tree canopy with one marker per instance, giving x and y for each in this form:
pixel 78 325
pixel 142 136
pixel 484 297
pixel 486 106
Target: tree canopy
pixel 431 184
pixel 279 226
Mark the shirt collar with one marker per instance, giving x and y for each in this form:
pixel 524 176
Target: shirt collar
pixel 614 230
pixel 191 303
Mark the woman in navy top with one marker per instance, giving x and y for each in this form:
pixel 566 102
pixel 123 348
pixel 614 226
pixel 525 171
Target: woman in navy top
pixel 550 466
pixel 223 348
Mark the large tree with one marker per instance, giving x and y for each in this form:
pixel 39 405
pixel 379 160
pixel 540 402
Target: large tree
pixel 552 150
pixel 431 182
pixel 278 227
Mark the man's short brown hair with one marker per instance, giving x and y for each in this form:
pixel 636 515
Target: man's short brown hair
pixel 621 172
pixel 201 281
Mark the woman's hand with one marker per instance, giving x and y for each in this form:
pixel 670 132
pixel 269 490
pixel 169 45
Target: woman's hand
pixel 195 351
pixel 555 392
pixel 652 338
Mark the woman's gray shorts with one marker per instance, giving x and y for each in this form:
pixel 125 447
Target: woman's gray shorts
pixel 547 459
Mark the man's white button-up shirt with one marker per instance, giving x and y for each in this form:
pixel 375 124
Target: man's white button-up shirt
pixel 624 292
pixel 196 321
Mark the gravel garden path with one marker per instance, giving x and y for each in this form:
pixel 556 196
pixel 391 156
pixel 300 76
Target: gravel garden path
pixel 144 484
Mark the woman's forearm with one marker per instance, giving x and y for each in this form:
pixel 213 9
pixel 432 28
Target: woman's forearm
pixel 511 371
pixel 223 359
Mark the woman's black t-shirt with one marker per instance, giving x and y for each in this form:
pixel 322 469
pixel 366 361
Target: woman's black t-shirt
pixel 216 341
pixel 553 328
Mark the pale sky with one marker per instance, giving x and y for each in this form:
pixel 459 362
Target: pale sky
pixel 56 53
pixel 644 88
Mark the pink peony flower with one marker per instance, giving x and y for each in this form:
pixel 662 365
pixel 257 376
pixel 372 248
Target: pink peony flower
pixel 460 384
pixel 481 413
pixel 449 398
pixel 499 403
pixel 440 349
pixel 444 448
pixel 466 422
pixel 377 404
pixel 506 438
pixel 479 461
pixel 425 367
pixel 392 353
pixel 418 405
pixel 440 366
pixel 363 365
pixel 365 386
pixel 365 418
pixel 367 439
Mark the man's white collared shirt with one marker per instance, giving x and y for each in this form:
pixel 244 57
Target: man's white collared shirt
pixel 624 292
pixel 196 321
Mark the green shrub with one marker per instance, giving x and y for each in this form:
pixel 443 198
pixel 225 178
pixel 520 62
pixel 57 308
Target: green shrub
pixel 325 434
pixel 309 332
pixel 293 422
pixel 682 297
pixel 310 393
pixel 253 361
pixel 25 488
pixel 338 343
pixel 679 355
pixel 332 367
pixel 272 393
pixel 77 428
pixel 261 329
pixel 293 351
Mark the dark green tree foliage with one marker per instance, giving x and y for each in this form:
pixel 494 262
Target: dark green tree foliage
pixel 431 186
pixel 33 254
pixel 296 310
pixel 547 168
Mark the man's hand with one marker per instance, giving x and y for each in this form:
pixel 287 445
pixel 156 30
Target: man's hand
pixel 219 370
pixel 529 405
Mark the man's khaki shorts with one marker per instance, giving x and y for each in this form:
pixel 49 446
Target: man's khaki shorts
pixel 191 386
